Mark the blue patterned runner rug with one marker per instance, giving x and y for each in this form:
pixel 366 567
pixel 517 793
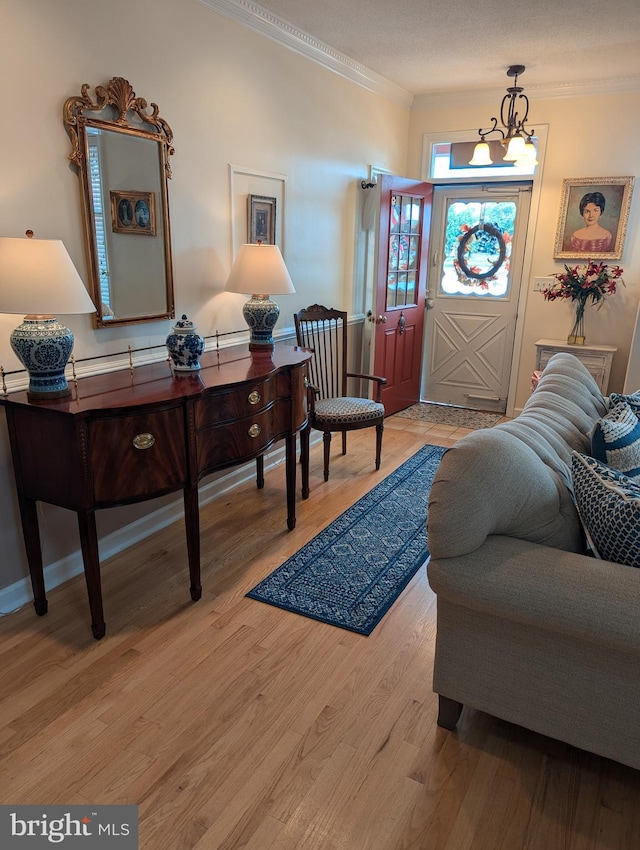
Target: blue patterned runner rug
pixel 352 572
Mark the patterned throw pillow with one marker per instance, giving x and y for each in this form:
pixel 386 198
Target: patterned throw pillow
pixel 632 400
pixel 609 508
pixel 615 439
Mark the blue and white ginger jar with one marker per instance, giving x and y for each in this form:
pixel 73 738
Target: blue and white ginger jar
pixel 185 346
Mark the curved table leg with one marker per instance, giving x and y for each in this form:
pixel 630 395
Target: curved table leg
pixel 31 533
pixel 192 524
pixel 91 559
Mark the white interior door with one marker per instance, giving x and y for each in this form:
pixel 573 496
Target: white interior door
pixel 474 277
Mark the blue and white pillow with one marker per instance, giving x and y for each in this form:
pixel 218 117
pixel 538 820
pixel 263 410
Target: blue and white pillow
pixel 632 400
pixel 615 439
pixel 608 504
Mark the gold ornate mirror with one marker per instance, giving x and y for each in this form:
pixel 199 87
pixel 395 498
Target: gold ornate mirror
pixel 121 148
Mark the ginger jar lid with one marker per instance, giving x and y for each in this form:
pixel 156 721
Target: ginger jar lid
pixel 184 325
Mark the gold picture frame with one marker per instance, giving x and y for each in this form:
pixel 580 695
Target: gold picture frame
pixel 261 225
pixel 593 218
pixel 133 212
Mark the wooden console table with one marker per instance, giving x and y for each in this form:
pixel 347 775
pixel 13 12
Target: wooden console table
pixel 596 358
pixel 136 434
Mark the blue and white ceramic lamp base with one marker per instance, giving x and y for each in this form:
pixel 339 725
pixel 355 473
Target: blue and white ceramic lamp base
pixel 43 345
pixel 261 314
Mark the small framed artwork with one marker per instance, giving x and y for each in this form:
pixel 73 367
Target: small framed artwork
pixel 593 218
pixel 262 219
pixel 133 212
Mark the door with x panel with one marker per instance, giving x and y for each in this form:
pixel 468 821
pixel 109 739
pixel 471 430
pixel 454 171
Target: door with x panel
pixel 473 285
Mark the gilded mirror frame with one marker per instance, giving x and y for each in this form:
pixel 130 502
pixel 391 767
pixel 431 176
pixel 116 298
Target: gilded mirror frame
pixel 115 109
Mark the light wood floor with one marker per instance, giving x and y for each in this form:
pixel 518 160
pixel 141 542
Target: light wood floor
pixel 234 724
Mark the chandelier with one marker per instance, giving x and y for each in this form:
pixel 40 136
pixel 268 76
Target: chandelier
pixel 516 139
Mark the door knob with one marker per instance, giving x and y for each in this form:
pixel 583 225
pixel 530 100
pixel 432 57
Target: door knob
pixel 381 320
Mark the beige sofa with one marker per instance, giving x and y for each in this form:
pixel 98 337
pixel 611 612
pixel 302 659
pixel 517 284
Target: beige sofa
pixel 530 628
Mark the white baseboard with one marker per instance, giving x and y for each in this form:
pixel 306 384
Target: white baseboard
pixel 19 593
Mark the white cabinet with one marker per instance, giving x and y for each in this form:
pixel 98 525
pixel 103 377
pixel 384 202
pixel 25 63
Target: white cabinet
pixel 597 358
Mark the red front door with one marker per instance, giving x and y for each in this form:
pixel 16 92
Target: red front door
pixel 405 216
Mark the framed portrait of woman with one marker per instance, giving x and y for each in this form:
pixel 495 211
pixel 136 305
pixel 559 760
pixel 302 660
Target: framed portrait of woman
pixel 593 218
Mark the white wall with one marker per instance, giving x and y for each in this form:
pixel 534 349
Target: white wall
pixel 231 96
pixel 588 136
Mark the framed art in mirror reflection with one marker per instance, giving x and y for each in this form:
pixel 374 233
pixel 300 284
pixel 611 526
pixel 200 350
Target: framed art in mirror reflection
pixel 133 212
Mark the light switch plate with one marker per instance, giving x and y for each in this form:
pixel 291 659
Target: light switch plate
pixel 540 283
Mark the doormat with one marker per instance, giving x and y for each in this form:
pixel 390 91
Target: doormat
pixel 443 414
pixel 352 572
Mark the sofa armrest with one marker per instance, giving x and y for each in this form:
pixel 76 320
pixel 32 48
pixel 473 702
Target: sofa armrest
pixel 544 587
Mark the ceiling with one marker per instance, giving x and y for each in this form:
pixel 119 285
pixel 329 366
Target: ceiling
pixel 433 46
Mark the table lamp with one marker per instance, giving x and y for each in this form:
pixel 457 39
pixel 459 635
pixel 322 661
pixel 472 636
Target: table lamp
pixel 38 278
pixel 259 268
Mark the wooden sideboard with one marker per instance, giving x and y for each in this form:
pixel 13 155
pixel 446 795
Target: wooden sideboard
pixel 137 434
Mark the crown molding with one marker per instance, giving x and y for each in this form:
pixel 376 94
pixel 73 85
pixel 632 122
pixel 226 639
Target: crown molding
pixel 256 18
pixel 616 85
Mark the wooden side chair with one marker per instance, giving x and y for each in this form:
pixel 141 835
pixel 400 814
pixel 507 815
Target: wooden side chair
pixel 324 331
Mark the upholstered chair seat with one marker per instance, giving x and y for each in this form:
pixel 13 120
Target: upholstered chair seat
pixel 340 410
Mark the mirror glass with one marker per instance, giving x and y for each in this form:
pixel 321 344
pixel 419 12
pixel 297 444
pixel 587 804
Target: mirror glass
pixel 121 149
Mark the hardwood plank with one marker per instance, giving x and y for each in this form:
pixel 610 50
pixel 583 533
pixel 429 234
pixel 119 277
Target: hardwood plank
pixel 232 723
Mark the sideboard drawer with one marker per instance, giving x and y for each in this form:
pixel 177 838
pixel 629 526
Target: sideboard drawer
pixel 221 445
pixel 234 404
pixel 134 456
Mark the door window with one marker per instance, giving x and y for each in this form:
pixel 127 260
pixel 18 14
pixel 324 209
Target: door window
pixel 404 250
pixel 477 250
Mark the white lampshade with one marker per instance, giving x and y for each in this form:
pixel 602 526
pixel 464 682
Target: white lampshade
pixel 37 277
pixel 38 280
pixel 259 268
pixel 528 156
pixel 481 155
pixel 259 271
pixel 515 149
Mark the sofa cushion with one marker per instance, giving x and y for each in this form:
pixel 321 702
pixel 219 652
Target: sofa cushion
pixel 515 478
pixel 615 439
pixel 608 504
pixel 491 482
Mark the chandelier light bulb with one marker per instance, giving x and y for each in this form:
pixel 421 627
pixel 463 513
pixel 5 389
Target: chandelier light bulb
pixel 528 158
pixel 515 149
pixel 481 155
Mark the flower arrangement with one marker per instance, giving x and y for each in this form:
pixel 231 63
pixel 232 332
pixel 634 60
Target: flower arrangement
pixel 580 283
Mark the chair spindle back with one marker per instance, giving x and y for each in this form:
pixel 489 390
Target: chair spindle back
pixel 325 331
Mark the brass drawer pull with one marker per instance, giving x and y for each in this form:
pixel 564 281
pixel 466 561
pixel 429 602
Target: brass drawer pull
pixel 255 430
pixel 254 397
pixel 143 441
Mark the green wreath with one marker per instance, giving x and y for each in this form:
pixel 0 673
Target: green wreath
pixel 462 252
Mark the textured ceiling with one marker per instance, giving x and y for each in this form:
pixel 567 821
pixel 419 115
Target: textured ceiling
pixel 428 46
